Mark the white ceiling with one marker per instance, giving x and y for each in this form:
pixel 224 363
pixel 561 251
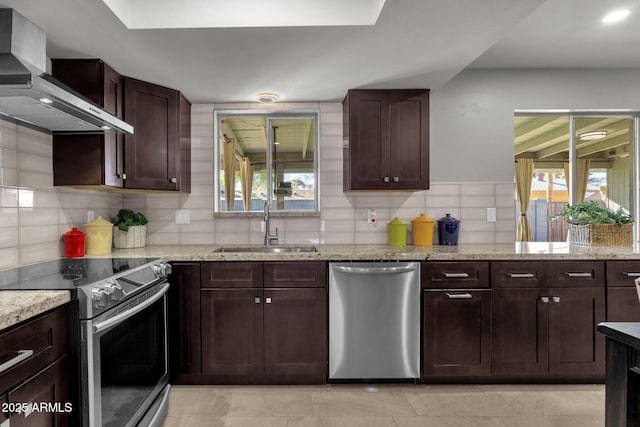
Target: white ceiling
pixel 415 43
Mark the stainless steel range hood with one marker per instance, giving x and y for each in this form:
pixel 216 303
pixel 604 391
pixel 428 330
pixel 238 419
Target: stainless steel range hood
pixel 31 97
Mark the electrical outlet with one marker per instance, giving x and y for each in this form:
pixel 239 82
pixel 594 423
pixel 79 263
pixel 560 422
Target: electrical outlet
pixel 90 216
pixel 371 216
pixel 182 216
pixel 491 214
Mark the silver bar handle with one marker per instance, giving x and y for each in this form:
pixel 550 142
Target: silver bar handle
pixel 375 270
pixel 521 275
pixel 556 299
pixel 455 275
pixel 466 295
pixel 568 274
pixel 98 327
pixel 630 274
pixel 22 355
pixel 544 299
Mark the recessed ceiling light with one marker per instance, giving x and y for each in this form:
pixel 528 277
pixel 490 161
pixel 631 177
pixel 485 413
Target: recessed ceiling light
pixel 593 135
pixel 616 16
pixel 267 97
pixel 46 101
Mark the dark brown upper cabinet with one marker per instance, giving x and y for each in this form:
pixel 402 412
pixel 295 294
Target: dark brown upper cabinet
pixel 101 156
pixel 156 157
pixel 158 154
pixel 386 139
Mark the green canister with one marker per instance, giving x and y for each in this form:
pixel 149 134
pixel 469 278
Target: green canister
pixel 397 232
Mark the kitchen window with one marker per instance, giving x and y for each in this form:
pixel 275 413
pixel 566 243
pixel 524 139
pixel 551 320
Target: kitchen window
pixel 266 157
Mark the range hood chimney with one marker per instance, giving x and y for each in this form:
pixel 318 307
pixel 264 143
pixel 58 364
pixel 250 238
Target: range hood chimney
pixel 31 97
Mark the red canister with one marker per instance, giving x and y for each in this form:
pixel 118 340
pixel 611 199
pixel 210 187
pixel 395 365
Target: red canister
pixel 73 243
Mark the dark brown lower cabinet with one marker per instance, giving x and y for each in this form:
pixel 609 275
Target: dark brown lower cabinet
pixel 184 322
pixel 295 348
pixel 548 333
pixel 622 304
pixel 256 336
pixel 232 335
pixel 457 333
pixel 48 389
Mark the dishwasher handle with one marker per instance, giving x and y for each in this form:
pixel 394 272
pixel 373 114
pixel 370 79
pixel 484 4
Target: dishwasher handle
pixel 375 270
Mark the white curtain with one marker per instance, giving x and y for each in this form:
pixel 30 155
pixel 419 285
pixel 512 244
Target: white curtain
pixel 524 174
pixel 229 166
pixel 582 174
pixel 246 174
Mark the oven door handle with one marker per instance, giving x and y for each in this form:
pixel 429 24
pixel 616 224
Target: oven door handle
pixel 99 327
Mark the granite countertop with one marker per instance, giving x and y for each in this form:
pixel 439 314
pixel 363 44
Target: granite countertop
pixel 469 252
pixel 16 306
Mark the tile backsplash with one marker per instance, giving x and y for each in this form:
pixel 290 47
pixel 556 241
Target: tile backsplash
pixel 35 214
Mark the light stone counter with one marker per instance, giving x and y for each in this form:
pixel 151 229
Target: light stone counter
pixel 512 251
pixel 16 306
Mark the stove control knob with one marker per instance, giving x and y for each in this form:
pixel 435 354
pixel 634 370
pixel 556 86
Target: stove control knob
pixel 113 289
pixel 99 297
pixel 162 269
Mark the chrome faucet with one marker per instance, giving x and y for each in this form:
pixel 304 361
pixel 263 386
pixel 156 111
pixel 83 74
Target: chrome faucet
pixel 268 238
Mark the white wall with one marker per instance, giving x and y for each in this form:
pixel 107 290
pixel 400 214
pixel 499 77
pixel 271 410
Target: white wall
pixel 472 115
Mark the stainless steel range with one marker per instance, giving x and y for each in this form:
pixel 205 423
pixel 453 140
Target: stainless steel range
pixel 119 328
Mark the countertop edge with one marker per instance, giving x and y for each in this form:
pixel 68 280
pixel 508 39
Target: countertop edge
pixel 20 305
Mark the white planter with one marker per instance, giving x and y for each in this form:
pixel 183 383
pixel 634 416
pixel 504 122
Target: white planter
pixel 136 237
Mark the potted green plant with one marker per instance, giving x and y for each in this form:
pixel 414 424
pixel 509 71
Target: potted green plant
pixel 129 229
pixel 591 224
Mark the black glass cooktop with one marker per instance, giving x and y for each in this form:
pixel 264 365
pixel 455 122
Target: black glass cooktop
pixel 67 273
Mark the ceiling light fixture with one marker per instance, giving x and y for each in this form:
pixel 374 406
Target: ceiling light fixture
pixel 267 97
pixel 46 100
pixel 593 135
pixel 615 16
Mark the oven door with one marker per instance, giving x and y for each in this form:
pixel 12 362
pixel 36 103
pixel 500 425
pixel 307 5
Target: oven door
pixel 124 360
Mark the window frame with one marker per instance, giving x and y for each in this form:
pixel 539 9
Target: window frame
pixel 269 115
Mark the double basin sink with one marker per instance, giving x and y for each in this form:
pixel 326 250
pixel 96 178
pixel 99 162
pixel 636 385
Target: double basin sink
pixel 266 249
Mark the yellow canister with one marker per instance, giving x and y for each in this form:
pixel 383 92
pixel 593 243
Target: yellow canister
pixel 422 230
pixel 99 236
pixel 397 232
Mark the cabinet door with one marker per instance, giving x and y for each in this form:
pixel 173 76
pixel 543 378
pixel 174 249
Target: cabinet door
pixel 102 156
pixel 113 143
pixel 520 332
pixel 295 336
pixel 49 386
pixel 232 335
pixel 457 333
pixel 409 140
pixel 368 143
pixel 622 305
pixel 184 320
pixel 151 153
pixel 575 347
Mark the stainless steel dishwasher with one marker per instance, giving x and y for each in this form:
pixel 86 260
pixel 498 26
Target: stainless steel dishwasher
pixel 374 320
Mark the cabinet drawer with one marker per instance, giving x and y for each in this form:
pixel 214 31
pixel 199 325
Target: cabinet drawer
pixel 448 275
pixel 39 342
pixel 622 273
pixel 295 274
pixel 231 274
pixel 518 274
pixel 575 273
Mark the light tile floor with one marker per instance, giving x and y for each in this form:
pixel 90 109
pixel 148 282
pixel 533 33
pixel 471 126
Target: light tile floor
pixel 387 406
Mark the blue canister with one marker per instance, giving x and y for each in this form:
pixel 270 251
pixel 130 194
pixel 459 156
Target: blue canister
pixel 448 228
